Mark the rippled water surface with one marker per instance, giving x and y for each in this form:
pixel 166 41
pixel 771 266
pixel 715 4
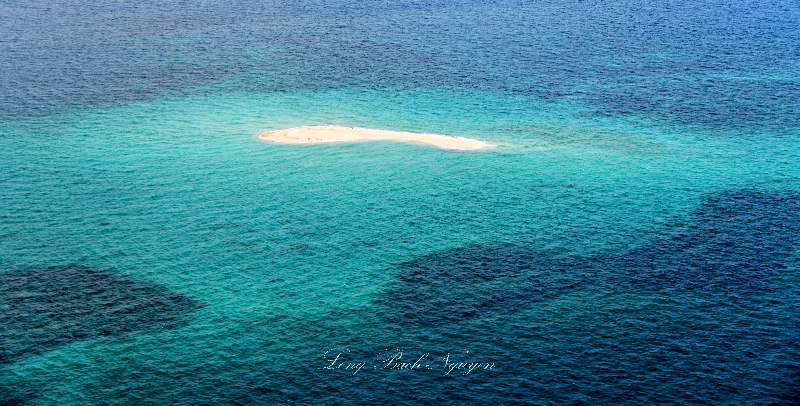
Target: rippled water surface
pixel 632 238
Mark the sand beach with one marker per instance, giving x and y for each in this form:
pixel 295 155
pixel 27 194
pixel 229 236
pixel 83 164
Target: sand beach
pixel 331 133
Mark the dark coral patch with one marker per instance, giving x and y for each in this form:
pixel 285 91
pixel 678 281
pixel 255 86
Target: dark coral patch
pixel 47 308
pixel 477 281
pixel 18 394
pixel 736 243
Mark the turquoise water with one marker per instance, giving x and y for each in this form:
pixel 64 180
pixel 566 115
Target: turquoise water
pixel 298 253
pixel 273 238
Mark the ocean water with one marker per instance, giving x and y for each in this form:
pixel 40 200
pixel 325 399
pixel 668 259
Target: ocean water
pixel 633 237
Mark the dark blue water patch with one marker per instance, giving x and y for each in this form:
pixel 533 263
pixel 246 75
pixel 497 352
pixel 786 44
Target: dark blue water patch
pixel 46 308
pixel 736 243
pixel 74 55
pixel 641 350
pixel 18 394
pixel 729 103
pixel 710 63
pixel 478 281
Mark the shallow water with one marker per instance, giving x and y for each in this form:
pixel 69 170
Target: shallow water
pixel 631 239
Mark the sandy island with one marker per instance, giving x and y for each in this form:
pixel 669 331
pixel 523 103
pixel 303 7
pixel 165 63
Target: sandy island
pixel 332 133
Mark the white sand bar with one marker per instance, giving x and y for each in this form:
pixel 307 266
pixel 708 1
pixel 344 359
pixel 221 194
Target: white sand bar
pixel 332 133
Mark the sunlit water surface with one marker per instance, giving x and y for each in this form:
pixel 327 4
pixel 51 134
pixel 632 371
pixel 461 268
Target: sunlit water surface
pixel 632 238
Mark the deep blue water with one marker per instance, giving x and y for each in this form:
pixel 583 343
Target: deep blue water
pixel 633 238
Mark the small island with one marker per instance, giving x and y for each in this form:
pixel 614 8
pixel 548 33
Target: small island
pixel 331 133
